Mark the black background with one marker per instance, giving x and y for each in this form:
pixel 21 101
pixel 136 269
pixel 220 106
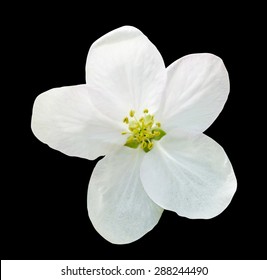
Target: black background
pixel 44 197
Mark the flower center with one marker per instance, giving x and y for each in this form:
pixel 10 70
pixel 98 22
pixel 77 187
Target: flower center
pixel 142 132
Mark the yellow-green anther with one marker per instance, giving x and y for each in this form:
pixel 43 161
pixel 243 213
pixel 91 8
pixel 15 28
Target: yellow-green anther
pixel 126 120
pixel 156 133
pixel 150 145
pixel 144 144
pixel 132 112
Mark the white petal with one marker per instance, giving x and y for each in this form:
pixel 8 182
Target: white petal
pixel 65 119
pixel 127 69
pixel 197 89
pixel 118 206
pixel 191 176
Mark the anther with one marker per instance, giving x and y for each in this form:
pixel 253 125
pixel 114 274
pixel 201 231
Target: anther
pixel 150 145
pixel 126 120
pixel 145 111
pixel 144 144
pixel 132 112
pixel 158 124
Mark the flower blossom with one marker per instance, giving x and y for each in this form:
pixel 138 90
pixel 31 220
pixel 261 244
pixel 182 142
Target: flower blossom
pixel 148 122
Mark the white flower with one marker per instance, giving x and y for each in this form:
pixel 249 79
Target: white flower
pixel 149 122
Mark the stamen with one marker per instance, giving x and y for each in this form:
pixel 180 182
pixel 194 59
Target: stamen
pixel 142 132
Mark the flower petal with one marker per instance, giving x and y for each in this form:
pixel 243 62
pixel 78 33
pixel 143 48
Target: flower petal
pixel 127 69
pixel 118 206
pixel 191 176
pixel 197 89
pixel 65 119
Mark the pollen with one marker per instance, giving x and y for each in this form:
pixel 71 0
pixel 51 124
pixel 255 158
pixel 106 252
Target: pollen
pixel 143 132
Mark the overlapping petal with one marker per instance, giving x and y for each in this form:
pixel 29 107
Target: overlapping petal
pixel 196 91
pixel 191 176
pixel 118 206
pixel 66 120
pixel 127 70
